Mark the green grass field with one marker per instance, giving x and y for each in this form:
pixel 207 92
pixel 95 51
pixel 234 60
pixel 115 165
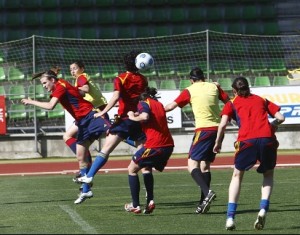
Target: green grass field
pixel 44 205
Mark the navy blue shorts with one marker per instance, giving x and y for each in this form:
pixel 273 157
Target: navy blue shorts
pixel 154 157
pixel 90 128
pixel 202 146
pixel 248 152
pixel 127 128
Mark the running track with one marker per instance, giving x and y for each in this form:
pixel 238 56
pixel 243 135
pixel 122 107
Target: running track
pixel 117 165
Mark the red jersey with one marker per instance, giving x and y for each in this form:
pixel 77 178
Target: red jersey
pixel 130 85
pixel 156 127
pixel 71 100
pixel 251 114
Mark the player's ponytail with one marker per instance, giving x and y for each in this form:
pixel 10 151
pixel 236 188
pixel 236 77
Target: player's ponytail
pixel 241 85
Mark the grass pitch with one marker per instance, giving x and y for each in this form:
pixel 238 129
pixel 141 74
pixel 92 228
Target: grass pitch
pixel 44 205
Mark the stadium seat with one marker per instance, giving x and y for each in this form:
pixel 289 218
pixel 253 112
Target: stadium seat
pixel 180 29
pixel 280 81
pixel 16 112
pixel 166 70
pixel 143 32
pixel 221 67
pixel 232 12
pixel 276 65
pixel 259 65
pixel 14 74
pixel 51 4
pixel 184 83
pixel 16 92
pixel 240 66
pixel 50 18
pixel 105 17
pixel 32 4
pixel 39 112
pixel 2 74
pixel 13 19
pixel 2 91
pixel 93 71
pixel 89 33
pixel 261 81
pixel 108 87
pixel 108 32
pixel 214 13
pixel 142 15
pixel 268 11
pixel 152 83
pixel 69 17
pixel 123 16
pixel 225 83
pixel 218 27
pixel 36 91
pixel 177 14
pixel 250 12
pixel 125 32
pixel 235 27
pixel 105 3
pixel 162 30
pixel 57 112
pixel 32 18
pixel 109 71
pixel 70 32
pixel 84 4
pixel 149 73
pixel 253 28
pixel 270 28
pixel 196 14
pixel 169 84
pixel 187 111
pixel 237 48
pixel 159 15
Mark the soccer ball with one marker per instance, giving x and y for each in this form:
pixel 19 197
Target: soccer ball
pixel 144 61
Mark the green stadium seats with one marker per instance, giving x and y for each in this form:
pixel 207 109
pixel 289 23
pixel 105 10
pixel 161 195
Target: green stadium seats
pixel 253 28
pixel 85 3
pixel 183 69
pixel 276 65
pixel 51 4
pixel 162 30
pixel 89 33
pixel 214 13
pixel 166 70
pixel 50 18
pixel 177 14
pixel 187 111
pixel 109 71
pixel 232 12
pixel 124 3
pixel 70 32
pixel 57 112
pixel 240 66
pixel 184 83
pixel 93 71
pixel 2 74
pixel 16 92
pixel 36 91
pixel 196 14
pixel 159 15
pixel 87 17
pixel 32 18
pixel 149 73
pixel 32 4
pixel 270 28
pixel 169 84
pixel 261 81
pixel 237 48
pixel 12 4
pixel 125 32
pixel 105 3
pixel 69 4
pixel 225 83
pixel 235 27
pixel 105 17
pixel 13 19
pixel 108 32
pixel 14 74
pixel 268 11
pixel 221 67
pixel 259 65
pixel 157 2
pixel 280 81
pixel 39 112
pixel 69 17
pixel 143 32
pixel 250 12
pixel 2 91
pixel 16 112
pixel 180 29
pixel 123 16
pixel 108 87
pixel 152 83
pixel 141 16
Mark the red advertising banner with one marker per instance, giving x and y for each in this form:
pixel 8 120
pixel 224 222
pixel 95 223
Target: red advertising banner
pixel 2 116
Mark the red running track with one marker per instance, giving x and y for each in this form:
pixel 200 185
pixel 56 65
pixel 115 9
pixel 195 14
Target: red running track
pixel 114 164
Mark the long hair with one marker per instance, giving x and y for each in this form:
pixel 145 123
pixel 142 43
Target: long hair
pixel 241 85
pixel 51 73
pixel 150 92
pixel 129 61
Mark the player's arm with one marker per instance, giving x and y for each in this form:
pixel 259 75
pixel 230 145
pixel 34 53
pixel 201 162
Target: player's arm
pixel 111 103
pixel 44 105
pixel 220 134
pixel 169 107
pixel 182 100
pixel 84 89
pixel 138 117
pixel 279 118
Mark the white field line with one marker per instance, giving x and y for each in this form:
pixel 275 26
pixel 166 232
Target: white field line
pixel 106 170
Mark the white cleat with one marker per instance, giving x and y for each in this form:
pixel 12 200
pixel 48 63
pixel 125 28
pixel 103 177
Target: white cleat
pixel 83 196
pixel 261 220
pixel 85 179
pixel 230 224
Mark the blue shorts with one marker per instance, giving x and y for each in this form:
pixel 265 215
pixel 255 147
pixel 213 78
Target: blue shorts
pixel 126 128
pixel 248 152
pixel 90 128
pixel 202 146
pixel 154 157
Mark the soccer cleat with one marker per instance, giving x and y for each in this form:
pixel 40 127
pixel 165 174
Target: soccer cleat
pixel 85 179
pixel 83 196
pixel 205 205
pixel 230 224
pixel 149 208
pixel 261 220
pixel 78 175
pixel 129 208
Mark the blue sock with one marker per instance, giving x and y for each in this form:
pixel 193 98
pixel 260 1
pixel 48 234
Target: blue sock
pixel 134 184
pixel 99 162
pixel 85 187
pixel 231 210
pixel 264 204
pixel 149 182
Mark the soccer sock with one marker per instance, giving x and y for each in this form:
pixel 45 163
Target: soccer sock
pixel 199 179
pixel 85 187
pixel 134 184
pixel 72 145
pixel 264 204
pixel 149 183
pixel 231 210
pixel 207 179
pixel 99 162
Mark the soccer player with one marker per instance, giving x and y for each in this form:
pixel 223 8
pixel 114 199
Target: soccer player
pixel 89 128
pixel 204 98
pixel 156 150
pixel 256 141
pixel 128 86
pixel 91 93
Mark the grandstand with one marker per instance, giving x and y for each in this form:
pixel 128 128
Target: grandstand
pixel 256 39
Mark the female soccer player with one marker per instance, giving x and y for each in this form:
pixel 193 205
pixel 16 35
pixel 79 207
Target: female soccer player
pixel 89 128
pixel 155 152
pixel 91 93
pixel 256 141
pixel 204 98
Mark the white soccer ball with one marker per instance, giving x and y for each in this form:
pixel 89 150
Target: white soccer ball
pixel 144 61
